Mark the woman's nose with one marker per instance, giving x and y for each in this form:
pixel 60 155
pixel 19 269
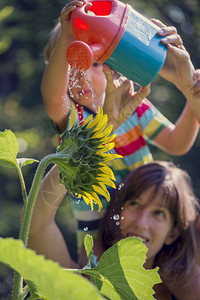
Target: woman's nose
pixel 142 220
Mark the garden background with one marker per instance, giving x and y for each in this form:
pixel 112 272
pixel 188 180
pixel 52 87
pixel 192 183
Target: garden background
pixel 24 29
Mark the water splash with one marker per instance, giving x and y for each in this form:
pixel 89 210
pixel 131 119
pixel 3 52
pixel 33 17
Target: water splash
pixel 120 186
pixel 116 217
pixel 76 77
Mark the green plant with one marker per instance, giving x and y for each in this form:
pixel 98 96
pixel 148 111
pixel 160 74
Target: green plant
pixel 120 273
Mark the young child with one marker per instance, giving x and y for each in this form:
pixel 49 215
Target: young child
pixel 156 204
pixel 135 124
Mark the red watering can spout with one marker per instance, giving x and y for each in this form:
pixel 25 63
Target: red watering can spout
pixel 81 56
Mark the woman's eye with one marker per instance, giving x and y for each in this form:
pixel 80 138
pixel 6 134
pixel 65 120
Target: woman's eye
pixel 132 203
pixel 160 213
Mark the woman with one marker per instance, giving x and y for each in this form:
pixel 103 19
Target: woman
pixel 156 203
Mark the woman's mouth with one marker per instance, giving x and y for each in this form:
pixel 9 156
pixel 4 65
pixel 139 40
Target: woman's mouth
pixel 144 239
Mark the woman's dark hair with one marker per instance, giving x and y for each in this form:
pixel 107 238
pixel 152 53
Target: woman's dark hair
pixel 173 189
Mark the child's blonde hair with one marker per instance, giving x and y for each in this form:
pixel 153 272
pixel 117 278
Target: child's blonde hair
pixel 54 34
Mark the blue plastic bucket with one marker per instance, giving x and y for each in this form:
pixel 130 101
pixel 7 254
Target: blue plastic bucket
pixel 139 55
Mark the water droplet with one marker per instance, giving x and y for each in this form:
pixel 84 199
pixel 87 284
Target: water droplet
pixel 117 223
pixel 85 228
pixel 120 186
pixel 116 217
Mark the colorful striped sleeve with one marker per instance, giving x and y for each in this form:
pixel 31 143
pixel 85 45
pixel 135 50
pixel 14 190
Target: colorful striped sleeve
pixel 151 120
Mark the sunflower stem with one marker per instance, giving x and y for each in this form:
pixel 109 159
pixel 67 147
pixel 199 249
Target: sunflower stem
pixel 26 218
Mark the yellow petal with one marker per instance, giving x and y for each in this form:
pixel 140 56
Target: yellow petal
pixel 96 119
pixel 98 201
pixel 109 138
pixel 108 171
pixel 106 181
pixel 88 120
pixel 101 191
pixel 105 188
pixel 106 148
pixel 110 156
pixel 88 200
pixel 102 124
pixel 104 134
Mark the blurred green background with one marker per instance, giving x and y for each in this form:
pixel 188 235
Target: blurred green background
pixel 24 29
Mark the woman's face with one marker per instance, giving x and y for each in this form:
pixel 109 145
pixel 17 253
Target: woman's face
pixel 95 80
pixel 148 221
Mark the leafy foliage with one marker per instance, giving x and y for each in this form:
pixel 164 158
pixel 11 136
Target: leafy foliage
pixel 51 282
pixel 120 273
pixel 9 148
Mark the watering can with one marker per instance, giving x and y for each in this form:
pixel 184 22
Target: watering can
pixel 113 33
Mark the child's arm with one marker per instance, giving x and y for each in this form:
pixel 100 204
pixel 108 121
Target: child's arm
pixel 45 237
pixel 178 67
pixel 179 70
pixel 55 78
pixel 179 139
pixel 195 100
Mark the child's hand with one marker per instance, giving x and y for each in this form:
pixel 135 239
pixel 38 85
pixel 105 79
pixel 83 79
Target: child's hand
pixel 196 88
pixel 178 67
pixel 121 101
pixel 65 15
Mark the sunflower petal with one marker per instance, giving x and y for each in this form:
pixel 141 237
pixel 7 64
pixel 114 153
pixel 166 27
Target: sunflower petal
pixel 106 181
pixel 101 191
pixel 95 121
pixel 106 170
pixel 106 148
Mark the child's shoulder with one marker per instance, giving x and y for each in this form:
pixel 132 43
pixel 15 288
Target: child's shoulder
pixel 143 107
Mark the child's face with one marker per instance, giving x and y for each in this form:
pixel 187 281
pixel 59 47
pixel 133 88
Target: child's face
pixel 148 221
pixel 97 81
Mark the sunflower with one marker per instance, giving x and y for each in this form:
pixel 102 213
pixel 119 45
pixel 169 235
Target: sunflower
pixel 87 147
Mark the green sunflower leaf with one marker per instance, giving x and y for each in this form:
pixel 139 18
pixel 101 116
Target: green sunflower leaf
pixel 48 279
pixel 120 273
pixel 8 149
